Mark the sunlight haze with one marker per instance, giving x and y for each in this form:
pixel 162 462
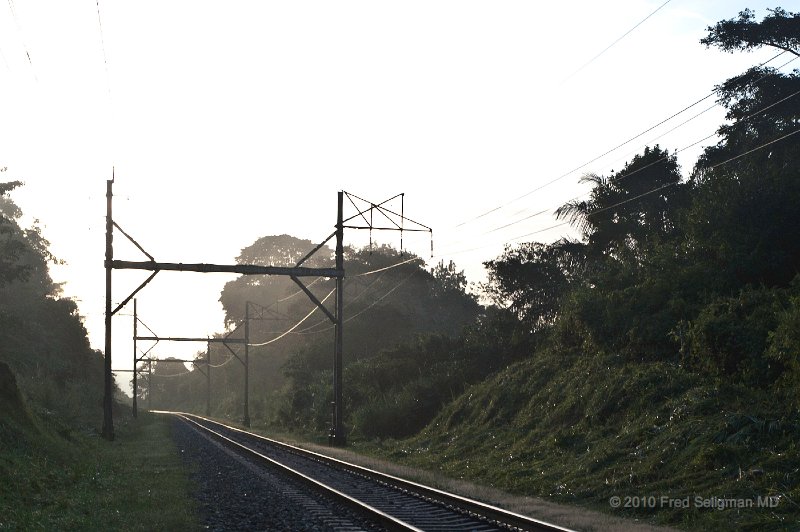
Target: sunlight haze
pixel 228 121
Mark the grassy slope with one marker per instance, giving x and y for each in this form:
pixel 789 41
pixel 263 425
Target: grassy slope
pixel 56 479
pixel 583 431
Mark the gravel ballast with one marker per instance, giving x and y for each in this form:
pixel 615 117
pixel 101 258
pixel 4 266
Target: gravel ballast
pixel 233 493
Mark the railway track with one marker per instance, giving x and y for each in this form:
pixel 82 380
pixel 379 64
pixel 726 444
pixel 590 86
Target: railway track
pixel 388 501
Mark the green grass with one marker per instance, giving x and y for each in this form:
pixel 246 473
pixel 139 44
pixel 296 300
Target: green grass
pixel 584 430
pixel 57 478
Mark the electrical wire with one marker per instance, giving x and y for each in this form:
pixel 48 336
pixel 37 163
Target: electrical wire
pixel 296 325
pixel 653 191
pixel 384 296
pixel 102 44
pixel 13 9
pixel 290 296
pixel 662 159
pixel 231 357
pixel 607 48
pixel 609 151
pixel 172 375
pixel 354 316
pixel 308 330
pixel 386 268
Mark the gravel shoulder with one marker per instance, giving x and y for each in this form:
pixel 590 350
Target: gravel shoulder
pixel 574 517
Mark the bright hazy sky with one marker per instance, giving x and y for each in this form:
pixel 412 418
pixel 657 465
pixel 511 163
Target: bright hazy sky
pixel 227 121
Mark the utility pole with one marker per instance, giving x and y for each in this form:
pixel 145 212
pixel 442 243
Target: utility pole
pixel 135 362
pixel 246 420
pixel 208 379
pixel 149 384
pixel 108 420
pixel 338 436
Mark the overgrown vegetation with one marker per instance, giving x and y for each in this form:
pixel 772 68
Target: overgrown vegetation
pixel 56 473
pixel 586 429
pixel 57 478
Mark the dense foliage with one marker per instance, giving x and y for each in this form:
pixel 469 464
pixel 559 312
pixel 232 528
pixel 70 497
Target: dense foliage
pixel 42 337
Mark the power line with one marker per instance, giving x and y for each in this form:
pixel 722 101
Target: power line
pixel 13 9
pixel 172 374
pixel 346 305
pixel 102 41
pixel 384 296
pixel 412 259
pixel 607 48
pixel 748 117
pixel 230 357
pixel 611 150
pixel 354 316
pixel 653 191
pixel 296 325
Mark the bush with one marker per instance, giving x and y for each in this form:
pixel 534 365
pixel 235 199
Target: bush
pixel 729 337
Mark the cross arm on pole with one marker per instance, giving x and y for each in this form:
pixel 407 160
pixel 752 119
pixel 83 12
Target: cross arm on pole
pixel 313 298
pixel 319 246
pixel 232 352
pixel 131 296
pixel 244 269
pixel 191 339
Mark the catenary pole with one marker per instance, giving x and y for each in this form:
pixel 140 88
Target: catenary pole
pixel 338 414
pixel 246 420
pixel 208 379
pixel 135 388
pixel 108 421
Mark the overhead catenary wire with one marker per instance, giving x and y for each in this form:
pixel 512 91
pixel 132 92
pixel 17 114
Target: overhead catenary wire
pixel 628 200
pixel 13 10
pixel 103 44
pixel 290 296
pixel 658 189
pixel 350 302
pixel 607 48
pixel 607 152
pixel 172 375
pixel 377 270
pixel 296 325
pixel 628 175
pixel 230 357
pixel 362 311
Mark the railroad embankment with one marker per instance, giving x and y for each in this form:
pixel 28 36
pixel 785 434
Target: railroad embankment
pixel 57 476
pixel 643 440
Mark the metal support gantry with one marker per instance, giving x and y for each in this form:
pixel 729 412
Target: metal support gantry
pixel 225 341
pixel 154 266
pixel 337 433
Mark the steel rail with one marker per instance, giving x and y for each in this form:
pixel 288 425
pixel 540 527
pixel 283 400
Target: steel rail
pixel 470 506
pixel 373 514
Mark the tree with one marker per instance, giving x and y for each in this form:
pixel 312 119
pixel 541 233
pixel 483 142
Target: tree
pixel 629 211
pixel 743 221
pixel 274 250
pixel 779 29
pixel 24 253
pixel 42 337
pixel 532 279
